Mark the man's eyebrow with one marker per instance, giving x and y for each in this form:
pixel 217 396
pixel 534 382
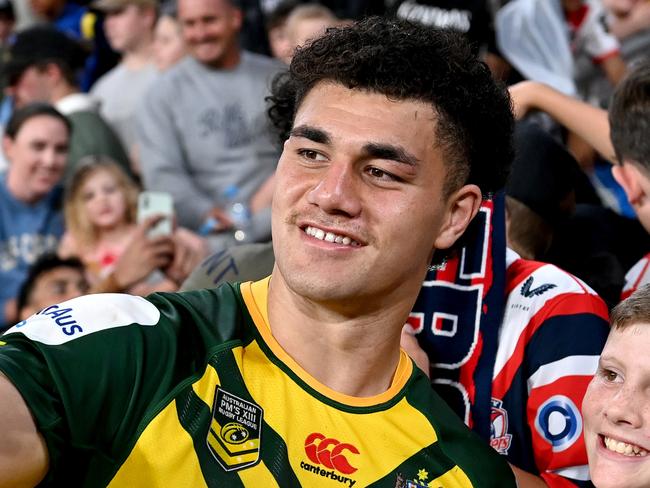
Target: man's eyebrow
pixel 391 152
pixel 312 133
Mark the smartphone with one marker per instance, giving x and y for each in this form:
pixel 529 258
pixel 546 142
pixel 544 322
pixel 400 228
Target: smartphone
pixel 156 203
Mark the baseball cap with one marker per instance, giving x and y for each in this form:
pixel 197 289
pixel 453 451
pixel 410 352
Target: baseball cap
pixel 114 5
pixel 7 9
pixel 40 44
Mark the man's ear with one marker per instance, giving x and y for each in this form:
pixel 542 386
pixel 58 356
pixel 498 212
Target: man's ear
pixel 7 146
pixel 237 18
pixel 463 205
pixel 627 175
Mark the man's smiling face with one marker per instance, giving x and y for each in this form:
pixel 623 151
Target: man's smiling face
pixel 358 205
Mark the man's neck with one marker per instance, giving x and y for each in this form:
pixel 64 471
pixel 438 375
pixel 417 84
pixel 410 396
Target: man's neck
pixel 356 355
pixel 140 56
pixel 62 90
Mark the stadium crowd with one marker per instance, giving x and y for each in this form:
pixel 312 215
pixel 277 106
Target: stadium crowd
pixel 111 104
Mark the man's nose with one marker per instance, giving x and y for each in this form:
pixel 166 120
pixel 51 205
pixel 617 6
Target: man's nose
pixel 337 191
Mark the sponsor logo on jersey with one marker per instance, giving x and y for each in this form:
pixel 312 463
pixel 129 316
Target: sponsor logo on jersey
pixel 559 422
pixel 79 317
pixel 62 317
pixel 528 291
pixel 500 440
pixel 332 454
pixel 235 431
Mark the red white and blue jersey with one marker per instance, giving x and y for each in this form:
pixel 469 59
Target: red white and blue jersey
pixel 553 330
pixel 515 370
pixel 638 275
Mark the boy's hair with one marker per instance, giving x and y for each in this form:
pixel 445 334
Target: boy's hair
pixel 311 11
pixel 633 310
pixel 76 220
pixel 629 117
pixel 36 109
pixel 405 61
pixel 44 264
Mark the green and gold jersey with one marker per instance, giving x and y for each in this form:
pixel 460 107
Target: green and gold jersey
pixel 192 390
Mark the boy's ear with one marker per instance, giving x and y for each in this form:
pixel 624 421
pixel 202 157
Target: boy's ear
pixel 628 176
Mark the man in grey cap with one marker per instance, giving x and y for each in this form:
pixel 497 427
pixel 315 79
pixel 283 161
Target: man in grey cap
pixel 129 28
pixel 43 66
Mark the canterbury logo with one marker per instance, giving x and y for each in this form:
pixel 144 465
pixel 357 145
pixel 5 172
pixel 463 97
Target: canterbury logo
pixel 329 452
pixel 528 291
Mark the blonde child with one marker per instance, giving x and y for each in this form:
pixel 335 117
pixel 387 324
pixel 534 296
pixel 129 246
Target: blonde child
pixel 100 215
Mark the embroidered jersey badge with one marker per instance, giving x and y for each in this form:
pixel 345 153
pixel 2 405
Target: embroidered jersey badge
pixel 235 431
pixel 527 290
pixel 500 440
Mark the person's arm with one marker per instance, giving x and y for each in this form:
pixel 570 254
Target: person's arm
pixel 68 247
pixel 526 479
pixel 23 453
pixel 163 161
pixel 615 69
pixel 590 123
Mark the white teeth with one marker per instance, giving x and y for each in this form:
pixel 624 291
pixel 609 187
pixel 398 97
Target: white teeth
pixel 329 236
pixel 624 448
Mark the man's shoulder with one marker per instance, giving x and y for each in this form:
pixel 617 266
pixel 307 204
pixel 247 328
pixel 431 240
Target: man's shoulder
pixel 82 316
pixel 536 279
pixel 260 62
pixel 638 275
pixel 177 74
pixel 104 83
pixel 86 315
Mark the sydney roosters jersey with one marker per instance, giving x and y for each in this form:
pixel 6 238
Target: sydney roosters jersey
pixel 637 276
pixel 191 390
pixel 550 336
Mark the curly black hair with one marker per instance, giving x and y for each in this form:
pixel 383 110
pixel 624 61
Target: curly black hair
pixel 405 61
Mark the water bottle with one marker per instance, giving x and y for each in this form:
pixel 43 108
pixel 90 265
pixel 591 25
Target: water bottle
pixel 239 213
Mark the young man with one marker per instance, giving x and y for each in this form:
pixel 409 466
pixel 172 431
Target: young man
pixel 297 379
pixel 129 26
pixel 51 280
pixel 616 408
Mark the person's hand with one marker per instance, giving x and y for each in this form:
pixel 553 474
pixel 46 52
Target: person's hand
pixel 222 219
pixel 143 255
pixel 189 251
pixel 410 344
pixel 523 95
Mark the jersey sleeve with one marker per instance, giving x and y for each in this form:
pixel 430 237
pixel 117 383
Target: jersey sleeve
pixel 91 369
pixel 562 358
pixel 598 42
